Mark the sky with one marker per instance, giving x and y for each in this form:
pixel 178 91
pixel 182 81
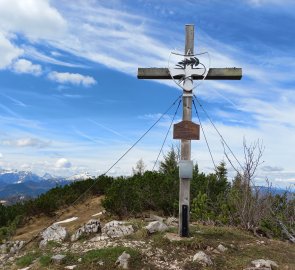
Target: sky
pixel 70 100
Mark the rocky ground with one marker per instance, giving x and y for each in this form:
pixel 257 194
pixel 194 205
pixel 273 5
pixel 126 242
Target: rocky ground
pixel 144 243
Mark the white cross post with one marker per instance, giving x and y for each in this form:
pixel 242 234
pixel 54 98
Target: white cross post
pixel 186 130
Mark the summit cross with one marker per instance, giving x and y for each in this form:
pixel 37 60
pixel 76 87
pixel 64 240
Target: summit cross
pixel 186 130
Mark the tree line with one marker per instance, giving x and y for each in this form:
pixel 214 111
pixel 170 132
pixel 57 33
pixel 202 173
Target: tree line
pixel 214 199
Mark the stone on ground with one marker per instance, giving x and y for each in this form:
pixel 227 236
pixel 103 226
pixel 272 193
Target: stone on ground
pixel 55 233
pixel 92 226
pixel 265 263
pixel 172 237
pixel 11 247
pixel 172 222
pixel 122 260
pixel 156 226
pixel 202 258
pixel 221 248
pixel 57 259
pixel 114 229
pixel 70 267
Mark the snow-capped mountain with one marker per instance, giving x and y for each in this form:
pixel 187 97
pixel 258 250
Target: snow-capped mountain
pixel 14 176
pixel 47 176
pixel 80 176
pixel 25 183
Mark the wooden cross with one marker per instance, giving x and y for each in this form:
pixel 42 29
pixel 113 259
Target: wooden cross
pixel 189 129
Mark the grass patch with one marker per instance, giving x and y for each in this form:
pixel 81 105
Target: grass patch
pixel 139 235
pixel 108 257
pixel 53 244
pixel 27 259
pixel 45 260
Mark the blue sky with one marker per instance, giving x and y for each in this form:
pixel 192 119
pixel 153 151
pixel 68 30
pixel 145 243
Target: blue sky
pixel 70 101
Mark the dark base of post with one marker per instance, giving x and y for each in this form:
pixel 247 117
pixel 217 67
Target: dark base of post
pixel 184 227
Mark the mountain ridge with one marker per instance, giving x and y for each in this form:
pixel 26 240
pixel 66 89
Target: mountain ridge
pixel 19 185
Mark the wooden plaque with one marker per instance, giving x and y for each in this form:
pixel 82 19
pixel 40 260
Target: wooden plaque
pixel 186 130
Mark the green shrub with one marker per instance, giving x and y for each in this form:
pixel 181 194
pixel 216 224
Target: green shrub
pixel 27 259
pixel 45 260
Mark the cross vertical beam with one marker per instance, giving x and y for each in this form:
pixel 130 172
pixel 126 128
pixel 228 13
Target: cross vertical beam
pixel 184 184
pixel 186 130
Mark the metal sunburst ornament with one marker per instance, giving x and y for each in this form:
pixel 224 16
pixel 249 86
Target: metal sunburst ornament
pixel 184 69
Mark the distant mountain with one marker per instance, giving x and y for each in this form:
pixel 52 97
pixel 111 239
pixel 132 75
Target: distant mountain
pixel 24 184
pixel 276 191
pixel 80 176
pixel 273 190
pixel 13 176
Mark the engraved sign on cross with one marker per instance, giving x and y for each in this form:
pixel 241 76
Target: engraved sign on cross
pixel 184 73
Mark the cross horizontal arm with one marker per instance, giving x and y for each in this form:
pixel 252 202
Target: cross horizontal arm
pixel 213 74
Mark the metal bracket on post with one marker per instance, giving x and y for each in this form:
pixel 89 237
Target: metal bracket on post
pixel 186 169
pixel 187 94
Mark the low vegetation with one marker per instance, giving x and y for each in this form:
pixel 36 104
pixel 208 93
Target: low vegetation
pixel 242 247
pixel 214 200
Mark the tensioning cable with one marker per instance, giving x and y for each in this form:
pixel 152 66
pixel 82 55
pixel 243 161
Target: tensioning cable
pixel 166 135
pixel 95 181
pixel 203 131
pixel 214 126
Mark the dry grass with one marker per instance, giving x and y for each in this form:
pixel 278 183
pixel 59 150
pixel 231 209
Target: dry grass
pixel 83 211
pixel 242 246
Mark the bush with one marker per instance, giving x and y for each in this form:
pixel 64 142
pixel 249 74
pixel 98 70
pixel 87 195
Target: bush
pixel 150 191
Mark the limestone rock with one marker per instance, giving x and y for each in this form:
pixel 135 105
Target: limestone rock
pixel 122 260
pixel 57 259
pixel 101 237
pixel 202 258
pixel 70 267
pixel 92 226
pixel 115 229
pixel 172 222
pixel 156 226
pixel 172 237
pixel 265 263
pixel 55 233
pixel 257 268
pixel 221 248
pixel 11 247
pixel 3 249
pixel 215 251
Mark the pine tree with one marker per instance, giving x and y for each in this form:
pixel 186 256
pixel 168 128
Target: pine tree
pixel 170 163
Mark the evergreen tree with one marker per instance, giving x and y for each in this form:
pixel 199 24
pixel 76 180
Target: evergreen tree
pixel 170 163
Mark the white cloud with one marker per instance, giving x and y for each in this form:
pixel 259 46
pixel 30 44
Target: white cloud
pixel 63 163
pixel 8 51
pixel 26 142
pixel 33 18
pixel 120 42
pixel 36 19
pixel 33 53
pixel 1 155
pixel 72 78
pixel 25 66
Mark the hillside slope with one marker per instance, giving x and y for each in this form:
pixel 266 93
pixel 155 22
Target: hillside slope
pixel 160 250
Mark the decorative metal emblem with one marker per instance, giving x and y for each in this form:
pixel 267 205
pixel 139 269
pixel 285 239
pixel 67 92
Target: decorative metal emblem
pixel 184 69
